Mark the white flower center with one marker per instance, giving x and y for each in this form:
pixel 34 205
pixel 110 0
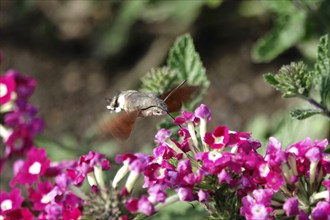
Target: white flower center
pixel 259 211
pixel 45 199
pixel 6 205
pixel 3 90
pixel 161 173
pixel 35 168
pixel 264 170
pixel 214 155
pixel 218 140
pixel 294 150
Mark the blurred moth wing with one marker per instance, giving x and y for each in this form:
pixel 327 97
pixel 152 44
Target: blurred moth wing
pixel 119 126
pixel 181 95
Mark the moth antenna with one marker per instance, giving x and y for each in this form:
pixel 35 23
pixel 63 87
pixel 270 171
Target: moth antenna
pixel 183 82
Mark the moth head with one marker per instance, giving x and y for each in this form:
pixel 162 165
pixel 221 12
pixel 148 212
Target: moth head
pixel 113 104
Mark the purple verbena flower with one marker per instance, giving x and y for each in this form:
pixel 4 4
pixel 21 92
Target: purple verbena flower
pixel 7 88
pixel 10 202
pixel 33 168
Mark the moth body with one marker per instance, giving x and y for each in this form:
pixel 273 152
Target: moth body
pixel 146 104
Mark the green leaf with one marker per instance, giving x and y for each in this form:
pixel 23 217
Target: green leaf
pixel 304 113
pixel 289 28
pixel 292 80
pixel 159 80
pixel 270 79
pixel 322 66
pixel 114 37
pixel 322 71
pixel 186 61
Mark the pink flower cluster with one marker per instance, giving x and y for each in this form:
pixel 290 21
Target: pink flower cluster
pixel 48 187
pixel 46 184
pixel 293 178
pixel 21 123
pixel 197 165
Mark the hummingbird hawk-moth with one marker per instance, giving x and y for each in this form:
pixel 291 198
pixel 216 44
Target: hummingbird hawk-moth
pixel 131 104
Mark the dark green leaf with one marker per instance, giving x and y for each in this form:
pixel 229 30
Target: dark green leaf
pixel 304 113
pixel 289 28
pixel 322 66
pixel 185 60
pixel 322 71
pixel 270 79
pixel 159 80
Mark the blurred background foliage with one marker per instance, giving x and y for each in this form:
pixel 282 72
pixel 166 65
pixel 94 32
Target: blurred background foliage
pixel 81 51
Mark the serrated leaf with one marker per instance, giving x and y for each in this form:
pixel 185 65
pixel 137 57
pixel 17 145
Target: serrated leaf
pixel 289 28
pixel 159 80
pixel 322 71
pixel 270 79
pixel 301 114
pixel 186 61
pixel 322 66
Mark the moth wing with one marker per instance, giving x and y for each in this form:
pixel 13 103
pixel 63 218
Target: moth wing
pixel 178 97
pixel 121 125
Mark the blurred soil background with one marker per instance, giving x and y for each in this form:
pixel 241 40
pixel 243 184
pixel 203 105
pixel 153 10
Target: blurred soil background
pixel 82 51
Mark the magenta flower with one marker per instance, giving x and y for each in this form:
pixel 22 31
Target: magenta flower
pixel 156 193
pixel 86 165
pixel 41 196
pixel 25 117
pixel 7 88
pixel 274 154
pixel 72 214
pixel 186 117
pixel 136 162
pixel 218 138
pixel 321 211
pixel 186 194
pixel 257 205
pixel 158 173
pixel 162 135
pixel 10 202
pixel 18 142
pixel 291 207
pixel 25 85
pixel 33 168
pixel 202 196
pixel 71 206
pixel 203 112
pixel 142 205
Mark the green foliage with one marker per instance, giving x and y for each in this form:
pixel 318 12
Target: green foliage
pixel 159 80
pixel 186 61
pixel 183 63
pixel 304 113
pixel 178 14
pixel 294 22
pixel 295 80
pixel 292 80
pixel 322 71
pixel 227 204
pixel 113 39
pixel 181 211
pixel 284 128
pixel 287 31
